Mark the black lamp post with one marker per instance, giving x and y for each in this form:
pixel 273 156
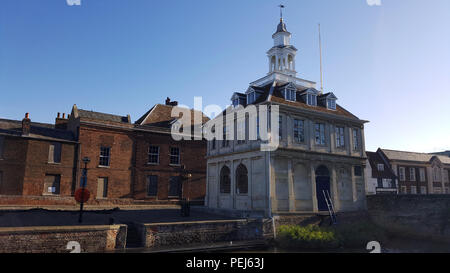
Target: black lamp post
pixel 185 205
pixel 86 160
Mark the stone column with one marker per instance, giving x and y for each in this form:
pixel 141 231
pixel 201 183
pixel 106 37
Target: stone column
pixel 350 140
pixel 289 130
pixel 430 179
pixel 332 138
pixel 291 187
pixel 311 134
pixel 233 185
pixel 334 187
pixel 363 143
pixel 313 186
pixel 355 194
pixel 272 194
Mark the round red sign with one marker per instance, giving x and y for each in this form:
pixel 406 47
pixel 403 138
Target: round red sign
pixel 82 195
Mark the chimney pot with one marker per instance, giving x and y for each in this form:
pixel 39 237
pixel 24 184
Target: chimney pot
pixel 59 115
pixel 26 124
pixel 64 115
pixel 168 101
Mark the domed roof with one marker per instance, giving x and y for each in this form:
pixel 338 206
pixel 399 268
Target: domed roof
pixel 281 26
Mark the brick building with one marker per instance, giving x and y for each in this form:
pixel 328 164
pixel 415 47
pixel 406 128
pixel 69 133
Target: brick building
pixel 417 173
pixel 42 163
pixel 35 159
pixel 381 179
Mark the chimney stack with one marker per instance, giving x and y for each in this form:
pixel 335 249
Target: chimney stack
pixel 171 103
pixel 26 124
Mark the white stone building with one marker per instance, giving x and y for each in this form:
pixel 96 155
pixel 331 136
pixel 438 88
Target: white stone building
pixel 321 148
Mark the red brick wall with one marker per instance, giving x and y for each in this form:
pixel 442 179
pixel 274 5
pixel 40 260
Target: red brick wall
pixel 38 167
pixel 408 182
pixel 12 165
pixel 192 155
pixel 119 173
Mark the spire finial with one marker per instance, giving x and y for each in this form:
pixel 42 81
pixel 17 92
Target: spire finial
pixel 281 12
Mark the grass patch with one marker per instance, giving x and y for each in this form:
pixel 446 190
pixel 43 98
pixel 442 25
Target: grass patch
pixel 347 235
pixel 311 237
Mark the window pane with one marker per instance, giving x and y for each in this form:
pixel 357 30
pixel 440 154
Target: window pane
pixel 152 185
pixel 153 154
pixel 104 156
pixel 174 155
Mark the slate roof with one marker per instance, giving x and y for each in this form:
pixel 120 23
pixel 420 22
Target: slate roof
pixel 102 116
pixel 444 159
pixel 161 116
pixel 42 131
pixel 277 97
pixel 407 156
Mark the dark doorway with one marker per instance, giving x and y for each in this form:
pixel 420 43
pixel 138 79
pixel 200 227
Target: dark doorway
pixel 175 187
pixel 322 184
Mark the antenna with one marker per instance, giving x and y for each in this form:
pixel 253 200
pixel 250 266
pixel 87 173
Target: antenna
pixel 321 69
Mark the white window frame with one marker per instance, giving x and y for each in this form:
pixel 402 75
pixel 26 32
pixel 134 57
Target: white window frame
pixel 403 190
pixel 412 174
pixel 401 173
pixel 422 175
pixel 108 157
pixel 290 94
pixel 380 167
pixel 321 130
pixel 311 99
pixel 340 136
pixel 178 156
pixel 356 138
pixel 331 104
pixel 153 154
pixel 299 130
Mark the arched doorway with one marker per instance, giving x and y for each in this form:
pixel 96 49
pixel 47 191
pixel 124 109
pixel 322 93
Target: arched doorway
pixel 322 185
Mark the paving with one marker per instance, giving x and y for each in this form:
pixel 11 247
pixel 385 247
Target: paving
pixel 63 217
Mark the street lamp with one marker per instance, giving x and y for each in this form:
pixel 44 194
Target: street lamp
pixel 85 160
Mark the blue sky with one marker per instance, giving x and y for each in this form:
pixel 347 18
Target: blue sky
pixel 388 64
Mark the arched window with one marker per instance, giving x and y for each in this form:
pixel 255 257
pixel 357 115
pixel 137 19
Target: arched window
pixel 290 62
pixel 241 180
pixel 273 63
pixel 225 181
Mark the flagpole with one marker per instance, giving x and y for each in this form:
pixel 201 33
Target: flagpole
pixel 321 69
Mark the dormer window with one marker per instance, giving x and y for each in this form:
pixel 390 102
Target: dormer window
pixel 251 97
pixel 289 94
pixel 238 99
pixel 331 104
pixel 311 99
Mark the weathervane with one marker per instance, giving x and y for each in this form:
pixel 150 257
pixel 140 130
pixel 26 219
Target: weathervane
pixel 281 11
